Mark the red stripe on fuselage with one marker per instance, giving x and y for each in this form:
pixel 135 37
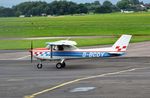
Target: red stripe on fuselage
pixel 41 49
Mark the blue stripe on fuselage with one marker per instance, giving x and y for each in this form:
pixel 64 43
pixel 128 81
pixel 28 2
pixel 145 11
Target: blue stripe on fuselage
pixel 81 54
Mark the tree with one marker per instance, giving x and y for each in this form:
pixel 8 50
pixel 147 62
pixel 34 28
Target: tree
pixel 96 3
pixel 133 5
pixel 6 12
pixel 107 4
pixel 64 7
pixel 123 4
pixel 82 9
pixel 107 7
pixel 72 9
pixel 31 8
pixel 134 2
pixel 92 6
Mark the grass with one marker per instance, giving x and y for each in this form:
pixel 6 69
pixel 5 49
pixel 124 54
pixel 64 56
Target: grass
pixel 98 24
pixel 137 24
pixel 25 44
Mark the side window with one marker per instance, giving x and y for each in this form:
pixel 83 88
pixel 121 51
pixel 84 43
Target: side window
pixel 61 48
pixel 54 47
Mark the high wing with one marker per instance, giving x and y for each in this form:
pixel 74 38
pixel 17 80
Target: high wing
pixel 62 42
pixel 62 45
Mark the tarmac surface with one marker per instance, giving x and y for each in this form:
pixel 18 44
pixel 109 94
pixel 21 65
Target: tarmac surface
pixel 121 77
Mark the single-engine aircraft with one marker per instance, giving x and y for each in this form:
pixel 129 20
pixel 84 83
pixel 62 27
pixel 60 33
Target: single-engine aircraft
pixel 66 49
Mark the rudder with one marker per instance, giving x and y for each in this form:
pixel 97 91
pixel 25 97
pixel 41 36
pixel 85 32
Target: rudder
pixel 122 42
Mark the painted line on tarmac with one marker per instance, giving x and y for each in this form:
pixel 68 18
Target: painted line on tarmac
pixel 15 80
pixel 80 79
pixel 20 58
pixel 60 37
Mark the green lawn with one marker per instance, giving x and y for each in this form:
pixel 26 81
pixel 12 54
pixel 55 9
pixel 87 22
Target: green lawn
pixel 25 44
pixel 99 24
pixel 137 24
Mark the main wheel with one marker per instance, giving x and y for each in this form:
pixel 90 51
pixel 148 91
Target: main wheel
pixel 39 66
pixel 59 65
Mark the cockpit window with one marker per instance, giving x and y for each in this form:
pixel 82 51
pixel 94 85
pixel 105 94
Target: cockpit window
pixel 60 48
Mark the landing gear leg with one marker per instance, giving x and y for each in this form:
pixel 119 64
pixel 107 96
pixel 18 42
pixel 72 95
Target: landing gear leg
pixel 40 65
pixel 61 64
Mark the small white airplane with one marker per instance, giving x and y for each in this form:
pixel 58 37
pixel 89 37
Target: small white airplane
pixel 65 50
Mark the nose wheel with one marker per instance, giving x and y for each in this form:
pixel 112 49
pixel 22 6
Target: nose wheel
pixel 39 66
pixel 60 65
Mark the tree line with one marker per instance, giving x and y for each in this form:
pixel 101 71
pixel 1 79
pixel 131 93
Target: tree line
pixel 63 7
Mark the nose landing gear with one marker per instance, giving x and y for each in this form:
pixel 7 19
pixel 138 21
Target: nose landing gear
pixel 39 66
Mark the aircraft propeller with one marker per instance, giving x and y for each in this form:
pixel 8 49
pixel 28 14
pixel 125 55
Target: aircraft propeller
pixel 31 51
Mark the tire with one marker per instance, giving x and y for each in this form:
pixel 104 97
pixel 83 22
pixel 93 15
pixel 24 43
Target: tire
pixel 39 66
pixel 59 65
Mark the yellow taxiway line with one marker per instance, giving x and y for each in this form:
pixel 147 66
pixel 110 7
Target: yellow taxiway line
pixel 77 80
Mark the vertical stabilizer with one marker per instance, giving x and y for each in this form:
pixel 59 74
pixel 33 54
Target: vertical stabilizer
pixel 122 43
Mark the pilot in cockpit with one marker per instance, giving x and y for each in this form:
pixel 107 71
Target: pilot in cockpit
pixel 58 48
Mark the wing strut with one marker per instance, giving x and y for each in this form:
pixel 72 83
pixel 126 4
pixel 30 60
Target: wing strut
pixel 51 51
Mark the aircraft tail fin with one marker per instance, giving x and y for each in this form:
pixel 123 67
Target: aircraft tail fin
pixel 122 43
